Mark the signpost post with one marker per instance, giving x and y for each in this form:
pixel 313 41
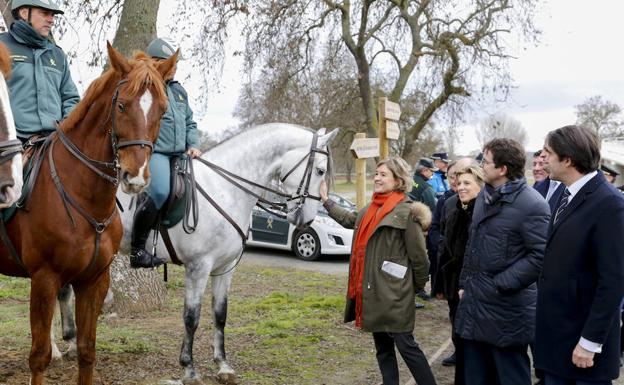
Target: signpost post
pixel 362 148
pixel 389 115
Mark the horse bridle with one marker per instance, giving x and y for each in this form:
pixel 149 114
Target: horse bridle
pixel 10 148
pixel 301 194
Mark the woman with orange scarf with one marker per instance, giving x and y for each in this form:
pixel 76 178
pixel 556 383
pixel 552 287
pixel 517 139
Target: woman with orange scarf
pixel 388 266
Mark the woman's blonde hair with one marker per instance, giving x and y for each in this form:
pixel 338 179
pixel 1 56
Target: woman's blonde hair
pixel 473 170
pixel 400 171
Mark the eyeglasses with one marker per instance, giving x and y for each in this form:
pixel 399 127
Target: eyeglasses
pixel 485 161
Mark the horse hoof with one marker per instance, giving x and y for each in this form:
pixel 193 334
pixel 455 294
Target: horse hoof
pixel 227 378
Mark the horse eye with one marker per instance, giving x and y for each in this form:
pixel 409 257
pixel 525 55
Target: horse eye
pixel 121 107
pixel 320 171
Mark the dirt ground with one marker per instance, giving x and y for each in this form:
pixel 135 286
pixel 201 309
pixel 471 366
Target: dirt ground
pixel 144 350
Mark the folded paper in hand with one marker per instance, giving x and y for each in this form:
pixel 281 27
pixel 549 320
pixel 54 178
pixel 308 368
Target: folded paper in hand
pixel 394 269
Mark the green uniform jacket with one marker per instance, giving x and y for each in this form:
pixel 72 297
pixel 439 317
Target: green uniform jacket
pixel 178 130
pixel 387 301
pixel 41 88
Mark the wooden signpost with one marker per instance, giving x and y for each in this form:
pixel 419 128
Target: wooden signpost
pixel 389 115
pixel 362 148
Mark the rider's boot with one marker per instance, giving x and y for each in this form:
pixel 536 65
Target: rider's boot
pixel 144 218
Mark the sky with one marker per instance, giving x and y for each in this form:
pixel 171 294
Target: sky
pixel 579 56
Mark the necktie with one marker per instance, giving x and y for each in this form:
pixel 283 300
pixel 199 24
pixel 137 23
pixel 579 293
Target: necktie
pixel 563 203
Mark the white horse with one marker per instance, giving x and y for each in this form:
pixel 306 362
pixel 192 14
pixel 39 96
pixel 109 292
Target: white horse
pixel 212 251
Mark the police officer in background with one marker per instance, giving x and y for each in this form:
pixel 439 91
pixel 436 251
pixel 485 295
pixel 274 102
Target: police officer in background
pixel 178 134
pixel 41 89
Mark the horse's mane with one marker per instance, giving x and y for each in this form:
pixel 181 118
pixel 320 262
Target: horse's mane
pixel 273 126
pixel 267 127
pixel 141 76
pixel 5 61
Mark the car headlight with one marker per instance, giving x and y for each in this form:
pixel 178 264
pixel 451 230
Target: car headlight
pixel 326 221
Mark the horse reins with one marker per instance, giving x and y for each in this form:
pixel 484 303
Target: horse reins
pixel 93 165
pixel 302 190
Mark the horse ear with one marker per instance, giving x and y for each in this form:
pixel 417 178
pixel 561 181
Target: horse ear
pixel 325 139
pixel 167 67
pixel 119 63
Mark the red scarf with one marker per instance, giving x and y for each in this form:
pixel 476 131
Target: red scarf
pixel 381 205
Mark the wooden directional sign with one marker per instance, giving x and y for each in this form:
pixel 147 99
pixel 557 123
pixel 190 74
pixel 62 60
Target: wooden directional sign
pixel 365 148
pixel 393 110
pixel 392 129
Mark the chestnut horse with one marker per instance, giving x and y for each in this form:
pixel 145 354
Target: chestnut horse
pixel 70 229
pixel 10 146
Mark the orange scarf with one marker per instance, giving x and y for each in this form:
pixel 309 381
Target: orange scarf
pixel 381 205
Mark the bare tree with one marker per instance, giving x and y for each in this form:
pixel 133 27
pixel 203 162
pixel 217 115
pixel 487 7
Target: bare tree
pixel 442 48
pixel 602 116
pixel 501 126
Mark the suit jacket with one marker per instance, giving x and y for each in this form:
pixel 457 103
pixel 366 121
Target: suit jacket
pixel 543 186
pixel 582 284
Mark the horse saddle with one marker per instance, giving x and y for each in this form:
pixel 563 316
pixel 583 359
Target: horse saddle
pixel 34 152
pixel 179 203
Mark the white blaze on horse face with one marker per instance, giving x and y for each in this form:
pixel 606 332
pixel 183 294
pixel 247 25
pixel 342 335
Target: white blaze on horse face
pixel 146 103
pixel 139 179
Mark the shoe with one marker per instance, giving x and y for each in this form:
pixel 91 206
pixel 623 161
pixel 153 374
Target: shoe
pixel 423 295
pixel 141 258
pixel 450 360
pixel 419 305
pixel 145 217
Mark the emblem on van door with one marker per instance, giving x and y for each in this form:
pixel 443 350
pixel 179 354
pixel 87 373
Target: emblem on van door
pixel 269 223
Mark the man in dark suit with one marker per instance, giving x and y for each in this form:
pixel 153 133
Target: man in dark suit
pixel 582 282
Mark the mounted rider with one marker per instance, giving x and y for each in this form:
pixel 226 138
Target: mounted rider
pixel 178 134
pixel 41 89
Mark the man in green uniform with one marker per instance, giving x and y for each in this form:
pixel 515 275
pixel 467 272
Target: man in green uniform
pixel 41 89
pixel 178 134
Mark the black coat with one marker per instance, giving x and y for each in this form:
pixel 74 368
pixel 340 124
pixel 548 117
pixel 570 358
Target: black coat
pixel 501 265
pixel 454 226
pixel 582 284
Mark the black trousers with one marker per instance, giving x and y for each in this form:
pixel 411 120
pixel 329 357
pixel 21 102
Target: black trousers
pixel 490 365
pixel 411 353
pixel 453 303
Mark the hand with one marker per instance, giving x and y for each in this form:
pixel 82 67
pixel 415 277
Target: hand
pixel 461 293
pixel 582 358
pixel 323 191
pixel 440 296
pixel 193 152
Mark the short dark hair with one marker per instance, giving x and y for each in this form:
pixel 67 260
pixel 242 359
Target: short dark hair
pixel 507 152
pixel 577 143
pixel 537 153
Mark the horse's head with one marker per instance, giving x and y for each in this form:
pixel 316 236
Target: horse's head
pixel 10 146
pixel 138 105
pixel 301 173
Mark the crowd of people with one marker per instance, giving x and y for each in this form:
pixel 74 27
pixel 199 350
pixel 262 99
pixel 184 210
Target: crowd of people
pixel 526 270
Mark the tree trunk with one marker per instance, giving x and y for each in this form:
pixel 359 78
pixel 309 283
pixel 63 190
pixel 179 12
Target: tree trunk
pixel 135 290
pixel 137 25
